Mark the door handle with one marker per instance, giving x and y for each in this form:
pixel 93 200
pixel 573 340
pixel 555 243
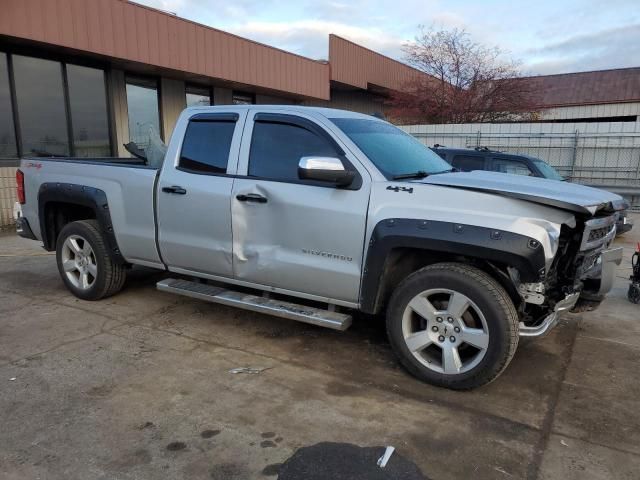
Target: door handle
pixel 174 189
pixel 251 197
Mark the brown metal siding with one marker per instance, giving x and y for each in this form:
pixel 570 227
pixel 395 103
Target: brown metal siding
pixel 586 88
pixel 354 65
pixel 117 28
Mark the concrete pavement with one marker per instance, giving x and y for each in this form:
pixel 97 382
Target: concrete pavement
pixel 138 386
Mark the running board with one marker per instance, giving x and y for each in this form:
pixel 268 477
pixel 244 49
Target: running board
pixel 292 311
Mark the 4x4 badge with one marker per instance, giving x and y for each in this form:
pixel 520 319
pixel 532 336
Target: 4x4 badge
pixel 400 189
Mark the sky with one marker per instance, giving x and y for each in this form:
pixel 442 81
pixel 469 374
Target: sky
pixel 547 36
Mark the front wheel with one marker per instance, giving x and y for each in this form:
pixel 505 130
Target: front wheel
pixel 452 325
pixel 84 262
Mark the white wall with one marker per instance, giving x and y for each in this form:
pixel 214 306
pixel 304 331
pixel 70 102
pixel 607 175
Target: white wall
pixel 592 111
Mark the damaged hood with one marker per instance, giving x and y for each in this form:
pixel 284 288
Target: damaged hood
pixel 565 195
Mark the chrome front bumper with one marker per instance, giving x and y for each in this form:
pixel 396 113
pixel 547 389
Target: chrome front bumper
pixel 552 319
pixel 605 270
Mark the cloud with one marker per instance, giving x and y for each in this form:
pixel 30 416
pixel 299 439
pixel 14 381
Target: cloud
pixel 311 37
pixel 549 36
pixel 609 48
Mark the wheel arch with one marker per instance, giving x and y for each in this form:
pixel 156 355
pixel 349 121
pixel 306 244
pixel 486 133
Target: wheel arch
pixel 62 203
pixel 398 247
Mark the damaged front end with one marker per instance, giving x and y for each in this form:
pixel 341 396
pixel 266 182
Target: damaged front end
pixel 581 274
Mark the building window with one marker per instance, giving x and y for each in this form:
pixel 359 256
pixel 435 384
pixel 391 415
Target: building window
pixel 8 147
pixel 243 98
pixel 88 106
pixel 197 96
pixel 41 106
pixel 143 109
pixel 61 109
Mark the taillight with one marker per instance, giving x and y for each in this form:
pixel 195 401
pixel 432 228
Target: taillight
pixel 20 186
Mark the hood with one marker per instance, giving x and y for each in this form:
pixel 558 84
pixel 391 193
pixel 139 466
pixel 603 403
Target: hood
pixel 565 195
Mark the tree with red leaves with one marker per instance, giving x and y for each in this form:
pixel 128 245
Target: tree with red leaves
pixel 465 82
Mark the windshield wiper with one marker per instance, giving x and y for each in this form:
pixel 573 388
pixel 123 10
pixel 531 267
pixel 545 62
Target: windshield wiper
pixel 418 174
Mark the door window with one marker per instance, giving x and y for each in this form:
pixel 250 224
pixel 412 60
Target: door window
pixel 514 167
pixel 276 150
pixel 206 146
pixel 467 163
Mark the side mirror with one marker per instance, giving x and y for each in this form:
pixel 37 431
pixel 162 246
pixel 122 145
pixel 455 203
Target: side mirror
pixel 325 169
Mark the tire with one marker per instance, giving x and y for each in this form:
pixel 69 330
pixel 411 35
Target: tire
pixel 466 332
pixel 84 262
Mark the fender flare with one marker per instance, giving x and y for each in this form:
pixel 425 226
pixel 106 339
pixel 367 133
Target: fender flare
pixel 84 196
pixel 524 253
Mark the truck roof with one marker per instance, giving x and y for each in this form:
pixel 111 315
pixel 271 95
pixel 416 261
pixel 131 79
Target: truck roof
pixel 326 112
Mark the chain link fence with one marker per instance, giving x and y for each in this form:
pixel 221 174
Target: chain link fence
pixel 607 160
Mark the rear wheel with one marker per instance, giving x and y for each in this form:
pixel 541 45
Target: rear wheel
pixel 452 325
pixel 84 262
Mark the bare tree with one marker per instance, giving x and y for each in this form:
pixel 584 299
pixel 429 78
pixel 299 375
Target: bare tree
pixel 464 82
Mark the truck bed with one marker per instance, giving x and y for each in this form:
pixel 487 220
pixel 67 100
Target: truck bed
pixel 129 185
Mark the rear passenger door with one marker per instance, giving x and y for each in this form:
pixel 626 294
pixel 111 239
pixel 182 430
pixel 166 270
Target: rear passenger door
pixel 193 195
pixel 468 162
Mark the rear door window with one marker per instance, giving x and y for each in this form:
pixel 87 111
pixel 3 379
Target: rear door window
pixel 206 146
pixel 467 163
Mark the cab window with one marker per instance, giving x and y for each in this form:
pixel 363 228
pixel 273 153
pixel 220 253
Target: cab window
pixel 276 150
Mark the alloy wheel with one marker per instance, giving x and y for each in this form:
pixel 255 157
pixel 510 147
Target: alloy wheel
pixel 79 262
pixel 445 331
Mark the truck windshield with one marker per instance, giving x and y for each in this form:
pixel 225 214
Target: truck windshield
pixel 547 170
pixel 395 153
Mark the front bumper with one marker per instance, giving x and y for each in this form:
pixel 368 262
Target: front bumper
pixel 552 319
pixel 605 270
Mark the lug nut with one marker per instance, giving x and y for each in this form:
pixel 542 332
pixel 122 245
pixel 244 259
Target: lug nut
pixel 457 329
pixel 439 319
pixel 441 338
pixel 450 320
pixel 452 338
pixel 434 328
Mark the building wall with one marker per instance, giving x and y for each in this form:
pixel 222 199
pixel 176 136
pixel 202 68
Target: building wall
pixel 362 102
pixel 120 121
pixel 135 33
pixel 592 111
pixel 7 195
pixel 172 102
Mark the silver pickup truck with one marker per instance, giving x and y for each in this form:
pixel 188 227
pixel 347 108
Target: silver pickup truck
pixel 310 214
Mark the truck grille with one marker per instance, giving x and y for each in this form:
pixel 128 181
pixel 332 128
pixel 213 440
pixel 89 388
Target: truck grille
pixel 598 233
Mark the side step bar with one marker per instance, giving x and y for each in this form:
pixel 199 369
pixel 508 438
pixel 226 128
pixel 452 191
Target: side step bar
pixel 292 311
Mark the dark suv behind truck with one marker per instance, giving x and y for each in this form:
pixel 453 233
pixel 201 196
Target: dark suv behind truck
pixel 482 158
